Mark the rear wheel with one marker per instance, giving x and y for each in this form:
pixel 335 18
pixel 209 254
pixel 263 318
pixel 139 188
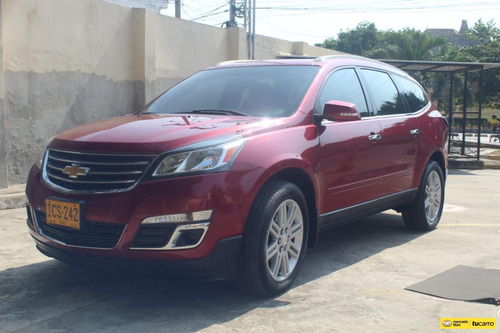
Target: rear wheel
pixel 275 239
pixel 425 212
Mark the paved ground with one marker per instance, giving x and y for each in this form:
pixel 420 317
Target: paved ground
pixel 353 281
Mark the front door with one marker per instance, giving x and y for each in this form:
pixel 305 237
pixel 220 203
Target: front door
pixel 350 156
pixel 350 160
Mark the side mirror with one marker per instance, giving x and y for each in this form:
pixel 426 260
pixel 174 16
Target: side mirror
pixel 341 111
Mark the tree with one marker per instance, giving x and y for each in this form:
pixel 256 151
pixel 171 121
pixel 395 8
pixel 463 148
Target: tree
pixel 356 41
pixel 411 44
pixel 487 50
pixel 485 33
pixel 367 40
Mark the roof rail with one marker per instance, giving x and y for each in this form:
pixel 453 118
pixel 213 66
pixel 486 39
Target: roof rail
pixel 229 62
pixel 341 56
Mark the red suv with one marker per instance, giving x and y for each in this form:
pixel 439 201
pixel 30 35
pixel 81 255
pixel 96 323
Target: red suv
pixel 236 170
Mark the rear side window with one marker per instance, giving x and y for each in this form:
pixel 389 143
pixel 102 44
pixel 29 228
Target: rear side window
pixel 412 92
pixel 343 85
pixel 385 96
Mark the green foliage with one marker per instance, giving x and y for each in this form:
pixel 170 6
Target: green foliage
pixel 487 49
pixel 412 44
pixel 357 41
pixel 367 40
pixel 485 33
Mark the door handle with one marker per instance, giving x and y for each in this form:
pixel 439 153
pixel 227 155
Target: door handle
pixel 374 137
pixel 415 131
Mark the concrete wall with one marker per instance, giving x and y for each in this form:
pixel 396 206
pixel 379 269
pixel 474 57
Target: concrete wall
pixel 269 48
pixel 65 62
pixel 183 48
pixel 3 152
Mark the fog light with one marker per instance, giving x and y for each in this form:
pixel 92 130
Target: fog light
pixel 185 236
pixel 203 215
pixel 188 236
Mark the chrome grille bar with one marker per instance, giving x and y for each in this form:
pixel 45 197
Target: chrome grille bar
pixel 94 162
pixel 92 182
pixel 94 172
pixel 136 172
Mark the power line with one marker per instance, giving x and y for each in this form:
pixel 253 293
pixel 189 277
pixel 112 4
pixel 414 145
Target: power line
pixel 273 8
pixel 212 13
pixel 289 31
pixel 378 9
pixel 271 11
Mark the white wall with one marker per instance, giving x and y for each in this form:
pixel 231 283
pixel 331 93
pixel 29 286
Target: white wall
pixel 68 62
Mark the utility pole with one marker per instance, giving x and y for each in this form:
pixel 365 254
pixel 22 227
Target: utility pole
pixel 178 4
pixel 253 28
pixel 245 14
pixel 246 11
pixel 250 25
pixel 232 14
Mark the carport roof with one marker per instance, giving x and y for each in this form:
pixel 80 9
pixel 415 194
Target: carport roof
pixel 439 66
pixel 424 66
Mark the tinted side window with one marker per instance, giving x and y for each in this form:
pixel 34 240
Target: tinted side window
pixel 343 85
pixel 385 95
pixel 414 95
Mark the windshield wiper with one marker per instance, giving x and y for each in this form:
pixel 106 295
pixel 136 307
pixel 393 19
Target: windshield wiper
pixel 217 111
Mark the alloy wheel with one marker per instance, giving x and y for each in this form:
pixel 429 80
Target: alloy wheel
pixel 433 195
pixel 284 240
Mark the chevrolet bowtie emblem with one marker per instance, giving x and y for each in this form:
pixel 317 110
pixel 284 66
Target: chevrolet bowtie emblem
pixel 75 170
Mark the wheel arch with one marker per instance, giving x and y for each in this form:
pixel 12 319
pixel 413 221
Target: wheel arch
pixel 438 157
pixel 301 179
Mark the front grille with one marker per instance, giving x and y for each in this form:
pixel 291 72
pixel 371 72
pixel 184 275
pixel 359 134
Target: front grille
pixel 93 172
pixel 93 234
pixel 153 236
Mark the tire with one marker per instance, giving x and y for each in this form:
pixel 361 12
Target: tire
pixel 425 212
pixel 275 239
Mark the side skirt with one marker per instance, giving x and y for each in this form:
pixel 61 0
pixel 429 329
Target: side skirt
pixel 352 213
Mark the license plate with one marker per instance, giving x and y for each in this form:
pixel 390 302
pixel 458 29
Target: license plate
pixel 63 213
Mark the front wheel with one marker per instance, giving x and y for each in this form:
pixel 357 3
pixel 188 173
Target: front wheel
pixel 275 239
pixel 425 212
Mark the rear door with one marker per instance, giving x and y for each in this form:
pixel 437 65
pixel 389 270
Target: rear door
pixel 399 135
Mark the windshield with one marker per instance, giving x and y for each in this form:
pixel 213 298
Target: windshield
pixel 261 91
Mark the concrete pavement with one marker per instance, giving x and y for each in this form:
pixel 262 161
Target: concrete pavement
pixel 12 197
pixel 353 281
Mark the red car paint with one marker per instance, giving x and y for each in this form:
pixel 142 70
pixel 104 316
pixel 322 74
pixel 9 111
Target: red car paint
pixel 335 163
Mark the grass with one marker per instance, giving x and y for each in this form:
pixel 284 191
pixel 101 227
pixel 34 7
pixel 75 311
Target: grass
pixel 488 112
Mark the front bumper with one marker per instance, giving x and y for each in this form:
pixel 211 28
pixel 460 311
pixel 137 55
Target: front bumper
pixel 221 263
pixel 119 216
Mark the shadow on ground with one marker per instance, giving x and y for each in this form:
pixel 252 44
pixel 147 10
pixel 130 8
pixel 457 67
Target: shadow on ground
pixel 54 296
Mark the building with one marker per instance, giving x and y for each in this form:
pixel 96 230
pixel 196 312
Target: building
pixel 457 38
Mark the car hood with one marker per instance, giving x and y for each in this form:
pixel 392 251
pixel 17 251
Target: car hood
pixel 158 133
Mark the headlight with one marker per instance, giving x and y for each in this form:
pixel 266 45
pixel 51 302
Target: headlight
pixel 216 158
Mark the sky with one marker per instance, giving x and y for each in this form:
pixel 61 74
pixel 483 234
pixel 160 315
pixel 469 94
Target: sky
pixel 314 21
